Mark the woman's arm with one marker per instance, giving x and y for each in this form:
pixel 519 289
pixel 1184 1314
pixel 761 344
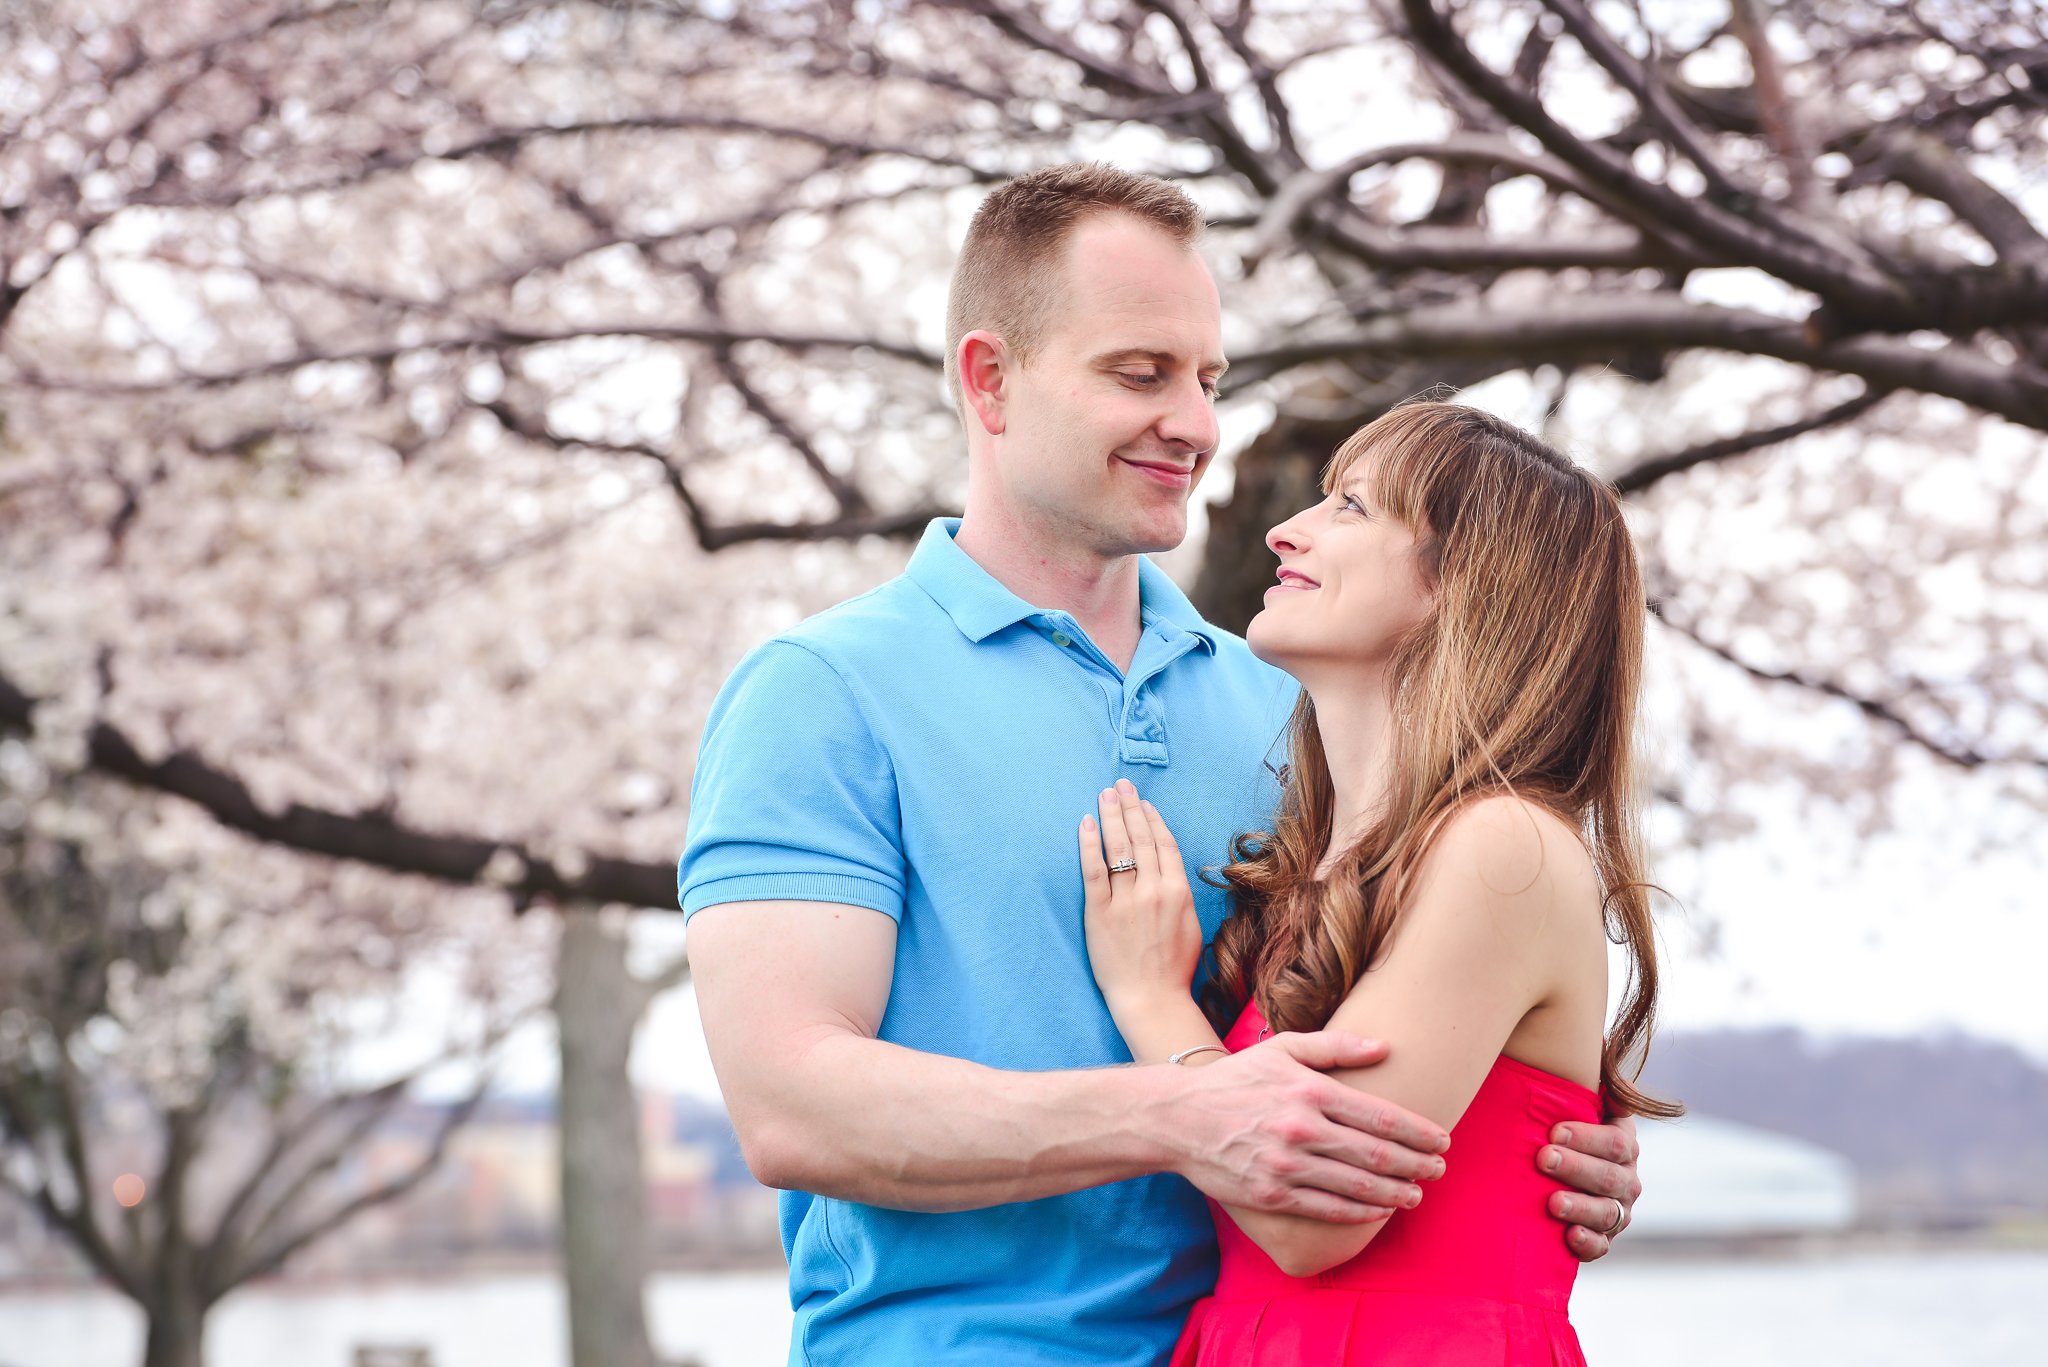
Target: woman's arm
pixel 1144 939
pixel 1505 918
pixel 1478 904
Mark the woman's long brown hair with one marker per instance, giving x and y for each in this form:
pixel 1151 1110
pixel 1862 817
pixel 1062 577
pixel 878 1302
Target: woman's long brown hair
pixel 1522 679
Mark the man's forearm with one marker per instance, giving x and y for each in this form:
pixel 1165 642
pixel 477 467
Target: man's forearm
pixel 864 1120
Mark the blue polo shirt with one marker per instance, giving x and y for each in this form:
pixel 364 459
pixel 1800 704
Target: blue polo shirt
pixel 926 751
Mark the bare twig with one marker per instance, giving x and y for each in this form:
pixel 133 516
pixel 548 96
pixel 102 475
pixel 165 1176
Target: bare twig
pixel 1650 470
pixel 1602 329
pixel 1958 754
pixel 368 838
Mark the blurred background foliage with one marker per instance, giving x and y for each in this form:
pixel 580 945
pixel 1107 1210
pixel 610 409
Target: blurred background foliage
pixel 410 411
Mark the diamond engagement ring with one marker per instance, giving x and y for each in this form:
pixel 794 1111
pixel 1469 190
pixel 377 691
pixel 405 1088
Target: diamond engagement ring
pixel 1124 866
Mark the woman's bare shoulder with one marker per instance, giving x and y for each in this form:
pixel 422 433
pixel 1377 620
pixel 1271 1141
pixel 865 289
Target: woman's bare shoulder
pixel 1514 852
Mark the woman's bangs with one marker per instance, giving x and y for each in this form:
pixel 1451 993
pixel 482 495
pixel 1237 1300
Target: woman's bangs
pixel 1394 476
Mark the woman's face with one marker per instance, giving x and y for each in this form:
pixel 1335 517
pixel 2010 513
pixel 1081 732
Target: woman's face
pixel 1350 585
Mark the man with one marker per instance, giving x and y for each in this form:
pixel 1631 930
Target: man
pixel 885 905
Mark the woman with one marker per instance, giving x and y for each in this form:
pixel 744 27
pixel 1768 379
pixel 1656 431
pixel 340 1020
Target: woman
pixel 1456 841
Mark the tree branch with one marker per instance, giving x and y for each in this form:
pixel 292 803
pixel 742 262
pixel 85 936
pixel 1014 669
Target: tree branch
pixel 500 142
pixel 1713 226
pixel 1599 329
pixel 269 1260
pixel 499 337
pixel 710 535
pixel 283 1139
pixel 1650 470
pixel 367 838
pixel 1265 79
pixel 1299 194
pixel 1652 100
pixel 84 1226
pixel 1095 71
pixel 1958 755
pixel 1929 167
pixel 1781 122
pixel 229 1246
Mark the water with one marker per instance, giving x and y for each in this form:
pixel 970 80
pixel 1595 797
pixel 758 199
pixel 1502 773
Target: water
pixel 1871 1310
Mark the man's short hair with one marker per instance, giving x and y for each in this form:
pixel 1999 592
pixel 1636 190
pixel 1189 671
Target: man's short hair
pixel 1005 282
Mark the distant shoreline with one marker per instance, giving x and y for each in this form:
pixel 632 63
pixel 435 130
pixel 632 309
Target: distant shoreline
pixel 2023 1234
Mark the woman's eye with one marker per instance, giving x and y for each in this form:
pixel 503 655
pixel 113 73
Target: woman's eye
pixel 1352 504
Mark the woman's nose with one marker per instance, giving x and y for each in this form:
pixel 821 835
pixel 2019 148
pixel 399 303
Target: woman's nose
pixel 1287 538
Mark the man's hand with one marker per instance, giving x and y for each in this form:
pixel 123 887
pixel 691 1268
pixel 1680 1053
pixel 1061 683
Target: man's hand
pixel 1265 1129
pixel 1600 1161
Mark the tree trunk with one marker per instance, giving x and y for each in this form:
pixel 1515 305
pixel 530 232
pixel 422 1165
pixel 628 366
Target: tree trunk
pixel 605 1248
pixel 1275 478
pixel 177 1328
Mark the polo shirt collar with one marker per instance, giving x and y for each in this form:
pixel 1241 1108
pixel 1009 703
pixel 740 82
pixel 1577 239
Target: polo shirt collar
pixel 1160 599
pixel 980 606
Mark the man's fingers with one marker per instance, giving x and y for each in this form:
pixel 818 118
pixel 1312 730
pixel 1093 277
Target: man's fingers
pixel 1334 1210
pixel 1366 1186
pixel 1594 1214
pixel 1356 1142
pixel 1592 1176
pixel 1585 1245
pixel 1358 1110
pixel 1614 1143
pixel 1323 1050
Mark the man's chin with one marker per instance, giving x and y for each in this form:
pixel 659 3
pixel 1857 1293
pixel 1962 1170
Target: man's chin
pixel 1154 535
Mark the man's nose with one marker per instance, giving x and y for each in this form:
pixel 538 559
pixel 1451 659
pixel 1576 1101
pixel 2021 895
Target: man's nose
pixel 1191 421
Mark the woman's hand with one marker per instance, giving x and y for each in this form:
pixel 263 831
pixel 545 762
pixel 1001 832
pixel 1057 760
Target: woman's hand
pixel 1144 939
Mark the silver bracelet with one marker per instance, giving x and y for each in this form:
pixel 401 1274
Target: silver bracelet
pixel 1185 1054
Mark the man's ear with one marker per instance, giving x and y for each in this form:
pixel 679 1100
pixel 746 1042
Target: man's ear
pixel 984 362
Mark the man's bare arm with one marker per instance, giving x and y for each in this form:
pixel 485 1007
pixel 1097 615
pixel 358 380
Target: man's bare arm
pixel 792 996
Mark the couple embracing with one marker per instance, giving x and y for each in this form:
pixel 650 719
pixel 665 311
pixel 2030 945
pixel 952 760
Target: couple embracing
pixel 1343 1100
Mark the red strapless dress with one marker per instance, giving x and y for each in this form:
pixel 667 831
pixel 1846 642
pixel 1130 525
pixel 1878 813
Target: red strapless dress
pixel 1478 1274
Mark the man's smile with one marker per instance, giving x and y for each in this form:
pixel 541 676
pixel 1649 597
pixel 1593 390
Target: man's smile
pixel 1166 472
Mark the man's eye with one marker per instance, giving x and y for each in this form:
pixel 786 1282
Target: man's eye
pixel 1140 377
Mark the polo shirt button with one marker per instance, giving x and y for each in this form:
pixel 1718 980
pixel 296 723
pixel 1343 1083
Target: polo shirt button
pixel 1060 638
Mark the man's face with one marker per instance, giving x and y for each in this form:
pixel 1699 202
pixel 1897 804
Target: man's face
pixel 1111 421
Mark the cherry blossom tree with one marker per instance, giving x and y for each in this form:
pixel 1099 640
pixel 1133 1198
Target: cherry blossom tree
pixel 412 410
pixel 183 1075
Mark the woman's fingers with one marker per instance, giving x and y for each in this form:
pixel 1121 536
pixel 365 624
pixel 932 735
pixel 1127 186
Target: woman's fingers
pixel 1170 865
pixel 1116 836
pixel 1138 828
pixel 1094 873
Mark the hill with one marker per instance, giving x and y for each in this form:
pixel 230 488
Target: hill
pixel 1943 1129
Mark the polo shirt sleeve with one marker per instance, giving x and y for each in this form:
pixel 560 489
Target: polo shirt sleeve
pixel 794 797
